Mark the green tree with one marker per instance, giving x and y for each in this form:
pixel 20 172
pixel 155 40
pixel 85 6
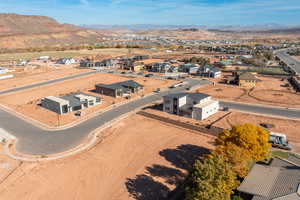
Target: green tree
pixel 212 178
pixel 251 138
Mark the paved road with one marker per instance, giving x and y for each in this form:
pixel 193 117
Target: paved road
pixel 260 109
pixel 46 82
pixel 292 63
pixel 33 140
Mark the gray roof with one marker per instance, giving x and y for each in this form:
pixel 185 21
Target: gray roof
pixel 72 100
pixel 279 180
pixel 194 96
pixel 75 101
pixel 122 85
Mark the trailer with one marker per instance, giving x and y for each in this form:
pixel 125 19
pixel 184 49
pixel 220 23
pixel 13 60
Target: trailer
pixel 279 140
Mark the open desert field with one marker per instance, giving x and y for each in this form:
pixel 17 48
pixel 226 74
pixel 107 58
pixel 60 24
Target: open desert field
pixel 26 102
pixel 286 126
pixel 269 91
pixel 74 53
pixel 141 160
pixel 30 76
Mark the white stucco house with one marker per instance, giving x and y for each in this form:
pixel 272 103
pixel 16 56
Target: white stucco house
pixel 195 105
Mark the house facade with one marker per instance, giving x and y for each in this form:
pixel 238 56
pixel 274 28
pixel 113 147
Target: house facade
pixel 209 71
pixel 246 79
pixel 195 105
pixel 70 103
pixel 120 89
pixel 66 61
pixel 189 68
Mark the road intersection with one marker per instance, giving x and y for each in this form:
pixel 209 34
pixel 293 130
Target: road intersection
pixel 33 140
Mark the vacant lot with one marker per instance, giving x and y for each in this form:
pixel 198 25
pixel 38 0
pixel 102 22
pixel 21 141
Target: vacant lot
pixel 288 127
pixel 30 76
pixel 26 102
pixel 269 91
pixel 143 160
pixel 76 53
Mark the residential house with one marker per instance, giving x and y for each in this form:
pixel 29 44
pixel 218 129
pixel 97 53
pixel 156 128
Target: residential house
pixel 87 63
pixel 161 67
pixel 223 64
pixel 66 61
pixel 195 105
pixel 141 57
pixel 209 71
pixel 189 68
pixel 120 89
pixel 107 63
pixel 277 180
pixel 70 103
pixel 246 79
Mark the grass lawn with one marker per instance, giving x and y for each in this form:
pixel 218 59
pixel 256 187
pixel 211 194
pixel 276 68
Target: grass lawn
pixel 283 154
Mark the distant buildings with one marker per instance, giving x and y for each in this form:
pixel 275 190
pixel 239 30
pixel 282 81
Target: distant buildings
pixel 70 103
pixel 209 71
pixel 120 89
pixel 196 105
pixel 106 63
pixel 245 79
pixel 189 68
pixel 66 61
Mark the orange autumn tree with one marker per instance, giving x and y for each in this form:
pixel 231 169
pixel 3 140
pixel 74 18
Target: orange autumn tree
pixel 237 157
pixel 252 139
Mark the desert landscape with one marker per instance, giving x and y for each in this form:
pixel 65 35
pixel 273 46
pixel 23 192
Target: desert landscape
pixel 132 155
pixel 27 102
pixel 269 91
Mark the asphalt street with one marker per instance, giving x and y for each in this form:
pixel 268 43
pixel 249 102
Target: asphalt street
pixel 35 141
pixel 46 82
pixel 259 109
pixel 291 62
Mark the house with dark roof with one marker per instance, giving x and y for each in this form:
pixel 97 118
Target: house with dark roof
pixel 119 89
pixel 189 68
pixel 277 180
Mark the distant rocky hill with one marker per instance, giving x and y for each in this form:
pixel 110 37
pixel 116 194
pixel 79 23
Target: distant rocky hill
pixel 24 31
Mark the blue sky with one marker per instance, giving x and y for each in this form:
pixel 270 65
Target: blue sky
pixel 171 12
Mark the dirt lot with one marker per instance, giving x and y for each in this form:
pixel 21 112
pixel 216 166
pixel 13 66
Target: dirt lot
pixel 136 161
pixel 29 76
pixel 26 102
pixel 225 120
pixel 269 91
pixel 288 127
pixel 74 53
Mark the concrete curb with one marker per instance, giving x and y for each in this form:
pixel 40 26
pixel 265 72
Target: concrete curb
pixel 260 105
pixel 47 127
pixel 93 138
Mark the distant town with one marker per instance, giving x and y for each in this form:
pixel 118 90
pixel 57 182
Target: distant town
pixel 154 114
